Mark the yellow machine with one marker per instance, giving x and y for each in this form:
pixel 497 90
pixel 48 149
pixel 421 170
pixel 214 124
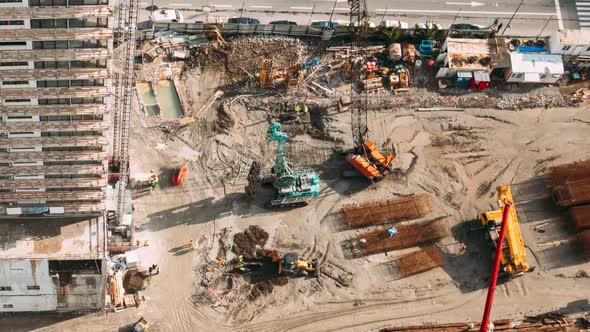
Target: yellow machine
pixel 513 251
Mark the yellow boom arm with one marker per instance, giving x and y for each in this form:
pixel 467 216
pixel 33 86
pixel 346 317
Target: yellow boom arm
pixel 514 251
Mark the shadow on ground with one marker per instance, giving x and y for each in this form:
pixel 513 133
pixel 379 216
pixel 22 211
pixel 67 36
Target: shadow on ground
pixel 470 269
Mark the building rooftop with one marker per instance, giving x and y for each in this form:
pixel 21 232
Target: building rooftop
pixel 573 37
pixel 476 53
pixel 536 63
pixel 52 238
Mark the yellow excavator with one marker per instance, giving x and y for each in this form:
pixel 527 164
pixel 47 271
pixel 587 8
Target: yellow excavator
pixel 513 251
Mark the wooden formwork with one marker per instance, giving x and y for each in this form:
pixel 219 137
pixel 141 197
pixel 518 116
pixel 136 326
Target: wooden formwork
pixel 584 239
pixel 559 175
pixel 572 193
pixel 580 217
pixel 418 261
pixel 53 170
pixel 361 215
pixel 55 55
pixel 53 12
pixel 408 235
pixel 48 110
pixel 61 74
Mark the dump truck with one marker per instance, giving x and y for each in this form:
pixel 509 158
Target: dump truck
pixel 514 254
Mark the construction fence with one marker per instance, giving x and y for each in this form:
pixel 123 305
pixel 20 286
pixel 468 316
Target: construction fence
pixel 233 29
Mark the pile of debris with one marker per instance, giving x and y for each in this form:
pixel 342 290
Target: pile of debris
pixel 546 322
pixel 240 58
pixel 421 100
pixel 246 243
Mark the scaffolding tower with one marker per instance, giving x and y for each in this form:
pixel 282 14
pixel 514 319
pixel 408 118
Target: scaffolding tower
pixel 125 34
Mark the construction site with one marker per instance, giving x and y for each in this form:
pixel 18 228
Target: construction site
pixel 283 183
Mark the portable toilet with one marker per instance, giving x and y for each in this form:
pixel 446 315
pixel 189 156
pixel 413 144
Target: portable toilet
pixel 463 78
pixel 480 80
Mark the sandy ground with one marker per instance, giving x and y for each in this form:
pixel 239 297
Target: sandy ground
pixel 457 157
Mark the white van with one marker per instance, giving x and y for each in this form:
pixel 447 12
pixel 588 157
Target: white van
pixel 166 16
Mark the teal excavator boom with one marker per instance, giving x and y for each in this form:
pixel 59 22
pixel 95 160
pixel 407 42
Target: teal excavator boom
pixel 293 187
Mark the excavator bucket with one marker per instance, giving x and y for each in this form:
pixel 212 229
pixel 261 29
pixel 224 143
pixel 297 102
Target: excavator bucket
pixel 364 166
pixel 379 159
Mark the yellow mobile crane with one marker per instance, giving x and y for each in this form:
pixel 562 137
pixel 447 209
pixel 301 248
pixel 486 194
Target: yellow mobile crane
pixel 513 251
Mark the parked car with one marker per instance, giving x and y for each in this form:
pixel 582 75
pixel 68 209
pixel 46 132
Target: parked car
pixel 466 26
pixel 325 24
pixel 283 23
pixel 394 23
pixel 166 16
pixel 243 20
pixel 428 25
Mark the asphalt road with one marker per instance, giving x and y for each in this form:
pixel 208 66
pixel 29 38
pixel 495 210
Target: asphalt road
pixel 532 18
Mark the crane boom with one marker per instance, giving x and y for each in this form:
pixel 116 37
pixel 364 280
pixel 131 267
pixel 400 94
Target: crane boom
pixel 496 267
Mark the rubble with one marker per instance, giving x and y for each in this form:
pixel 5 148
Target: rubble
pixel 247 242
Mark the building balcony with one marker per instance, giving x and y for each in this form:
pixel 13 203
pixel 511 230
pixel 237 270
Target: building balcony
pixel 52 156
pixel 56 34
pixel 53 141
pixel 57 12
pixel 97 195
pixel 69 208
pixel 54 126
pixel 53 183
pixel 52 170
pixel 48 110
pixel 38 74
pixel 55 55
pixel 80 92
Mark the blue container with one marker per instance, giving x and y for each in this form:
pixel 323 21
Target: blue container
pixel 462 78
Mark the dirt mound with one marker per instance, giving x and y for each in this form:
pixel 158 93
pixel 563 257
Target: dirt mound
pixel 245 243
pixel 261 288
pixel 280 281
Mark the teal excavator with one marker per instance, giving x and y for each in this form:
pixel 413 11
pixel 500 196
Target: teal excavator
pixel 293 187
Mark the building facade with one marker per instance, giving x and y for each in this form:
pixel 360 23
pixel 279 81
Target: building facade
pixel 54 91
pixel 55 81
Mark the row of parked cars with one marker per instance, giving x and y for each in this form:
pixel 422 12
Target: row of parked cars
pixel 173 16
